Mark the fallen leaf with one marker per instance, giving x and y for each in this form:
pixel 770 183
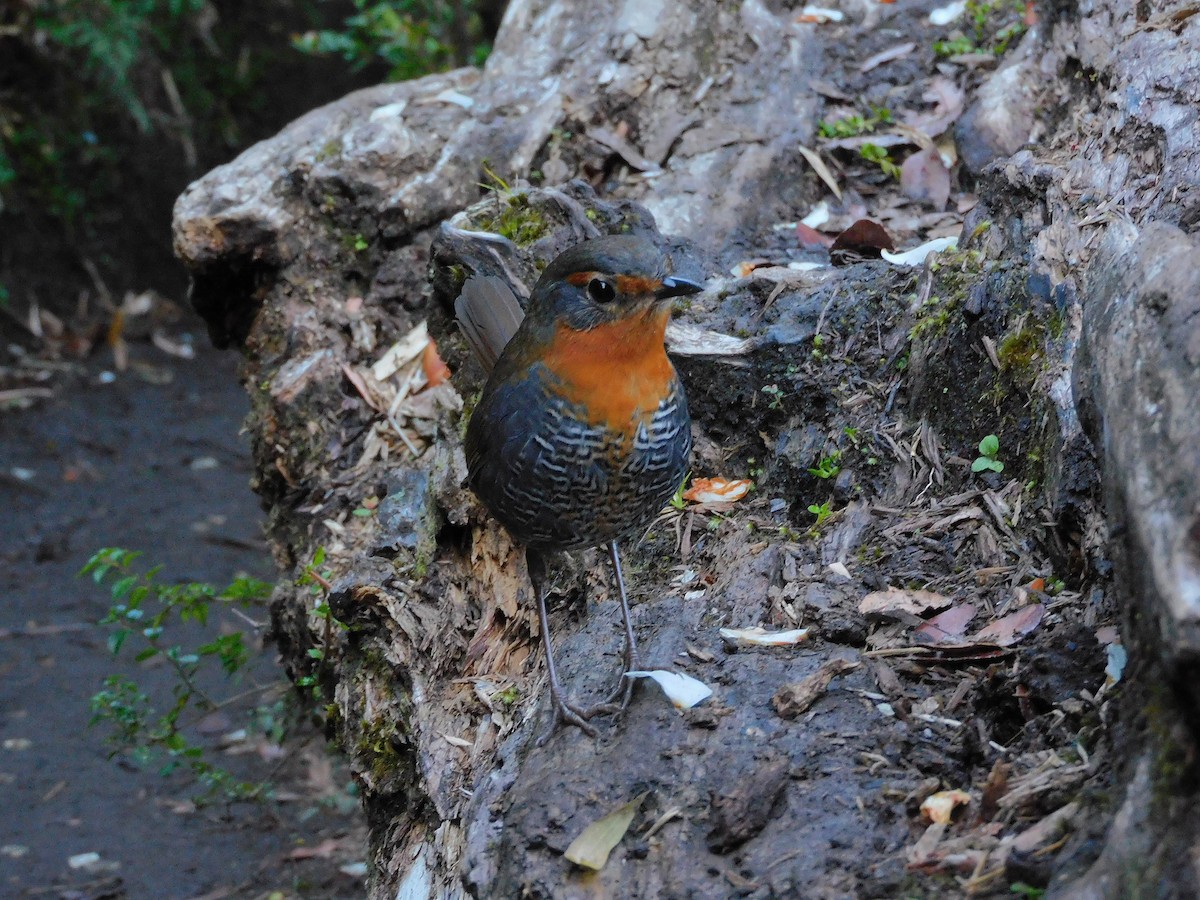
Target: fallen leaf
pixel 683 691
pixel 822 170
pixel 760 637
pixel 947 626
pixel 916 256
pixel 944 15
pixel 818 217
pixel 885 56
pixel 895 601
pixel 401 353
pixel 323 850
pixel 809 238
pixel 862 240
pixel 717 490
pixel 939 808
pixel 793 699
pixel 925 178
pixel 819 15
pixel 1008 630
pixel 593 845
pixel 686 339
pixel 456 741
pixel 948 100
pixel 436 371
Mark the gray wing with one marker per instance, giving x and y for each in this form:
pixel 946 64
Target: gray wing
pixel 488 314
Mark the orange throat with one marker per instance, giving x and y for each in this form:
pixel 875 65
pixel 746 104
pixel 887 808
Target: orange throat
pixel 617 372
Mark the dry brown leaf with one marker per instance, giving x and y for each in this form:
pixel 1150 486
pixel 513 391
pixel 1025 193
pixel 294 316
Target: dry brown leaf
pixel 793 699
pixel 1011 628
pixel 925 178
pixel 947 626
pixel 939 808
pixel 895 601
pixel 590 850
pixel 822 170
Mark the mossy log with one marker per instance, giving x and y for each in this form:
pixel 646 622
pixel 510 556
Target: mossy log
pixel 859 392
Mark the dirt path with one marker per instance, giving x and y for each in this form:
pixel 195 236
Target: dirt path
pixel 151 461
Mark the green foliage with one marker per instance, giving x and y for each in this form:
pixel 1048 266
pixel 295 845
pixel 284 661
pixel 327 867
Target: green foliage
pixel 110 39
pixel 144 619
pixel 413 37
pixel 93 70
pixel 988 448
pixel 853 126
pixel 993 25
pixel 828 466
pixel 775 393
pixel 822 511
pixel 879 155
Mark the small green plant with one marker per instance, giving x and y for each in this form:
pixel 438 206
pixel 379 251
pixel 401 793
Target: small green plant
pixel 818 343
pixel 147 613
pixel 993 26
pixel 317 579
pixel 988 448
pixel 677 501
pixel 1026 890
pixel 822 511
pixel 875 154
pixel 854 125
pixel 775 393
pixel 958 46
pixel 828 466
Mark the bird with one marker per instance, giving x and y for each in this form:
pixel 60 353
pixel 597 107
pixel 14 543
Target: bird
pixel 581 434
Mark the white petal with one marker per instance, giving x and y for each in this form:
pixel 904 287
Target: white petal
pixel 944 15
pixel 818 217
pixel 761 637
pixel 682 690
pixel 916 255
pixel 821 15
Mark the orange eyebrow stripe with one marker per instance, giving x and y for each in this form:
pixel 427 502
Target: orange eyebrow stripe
pixel 579 279
pixel 633 285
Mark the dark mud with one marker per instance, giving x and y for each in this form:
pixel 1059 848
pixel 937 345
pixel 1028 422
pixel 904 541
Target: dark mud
pixel 151 461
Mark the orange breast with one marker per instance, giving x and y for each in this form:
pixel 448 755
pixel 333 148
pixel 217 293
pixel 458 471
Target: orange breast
pixel 618 372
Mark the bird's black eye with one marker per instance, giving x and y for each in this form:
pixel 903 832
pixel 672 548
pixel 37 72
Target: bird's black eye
pixel 601 291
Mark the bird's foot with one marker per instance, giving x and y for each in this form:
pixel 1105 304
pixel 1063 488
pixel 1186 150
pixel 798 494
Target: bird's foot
pixel 567 713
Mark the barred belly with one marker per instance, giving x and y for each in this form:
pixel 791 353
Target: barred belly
pixel 581 485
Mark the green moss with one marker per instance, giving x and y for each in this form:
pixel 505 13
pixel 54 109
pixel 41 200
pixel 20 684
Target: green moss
pixel 515 219
pixel 329 150
pixel 1020 352
pixel 379 749
pixel 933 319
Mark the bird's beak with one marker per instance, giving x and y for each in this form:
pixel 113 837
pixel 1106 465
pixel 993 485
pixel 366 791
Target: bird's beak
pixel 677 287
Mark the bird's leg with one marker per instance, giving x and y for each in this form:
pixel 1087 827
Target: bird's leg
pixel 624 689
pixel 563 710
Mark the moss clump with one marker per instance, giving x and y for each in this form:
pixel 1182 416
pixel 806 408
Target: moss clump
pixel 379 751
pixel 1020 352
pixel 933 319
pixel 329 150
pixel 515 219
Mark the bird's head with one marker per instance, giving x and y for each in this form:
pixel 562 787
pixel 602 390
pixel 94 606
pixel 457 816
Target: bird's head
pixel 607 280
